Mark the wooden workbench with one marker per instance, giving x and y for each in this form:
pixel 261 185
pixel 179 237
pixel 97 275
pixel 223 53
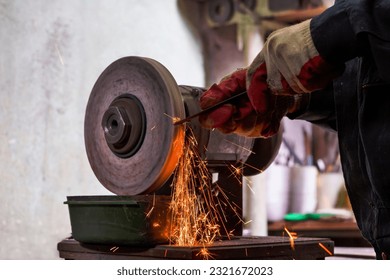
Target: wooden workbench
pixel 267 247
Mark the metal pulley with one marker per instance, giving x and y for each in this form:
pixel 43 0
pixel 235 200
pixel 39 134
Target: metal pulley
pixel 131 142
pixel 223 11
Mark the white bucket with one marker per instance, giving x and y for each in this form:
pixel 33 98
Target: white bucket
pixel 277 182
pixel 303 189
pixel 329 186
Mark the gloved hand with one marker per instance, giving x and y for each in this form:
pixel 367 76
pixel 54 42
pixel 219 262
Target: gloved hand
pixel 276 82
pixel 242 118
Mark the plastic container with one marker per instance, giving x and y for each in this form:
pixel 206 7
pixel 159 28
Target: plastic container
pixel 120 220
pixel 303 189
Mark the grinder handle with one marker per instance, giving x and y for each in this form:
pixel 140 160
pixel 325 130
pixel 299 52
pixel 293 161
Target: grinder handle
pixel 211 108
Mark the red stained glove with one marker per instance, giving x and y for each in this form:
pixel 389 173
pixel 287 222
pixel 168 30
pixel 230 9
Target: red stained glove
pixel 242 118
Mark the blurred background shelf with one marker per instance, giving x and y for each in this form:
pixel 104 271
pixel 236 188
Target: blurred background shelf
pixel 344 233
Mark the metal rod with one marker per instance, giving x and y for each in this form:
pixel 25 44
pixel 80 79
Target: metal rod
pixel 211 108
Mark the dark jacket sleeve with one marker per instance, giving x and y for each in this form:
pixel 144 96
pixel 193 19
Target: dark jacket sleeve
pixel 320 109
pixel 354 28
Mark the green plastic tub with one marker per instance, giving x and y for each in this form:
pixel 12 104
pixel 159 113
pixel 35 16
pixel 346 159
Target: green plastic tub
pixel 120 220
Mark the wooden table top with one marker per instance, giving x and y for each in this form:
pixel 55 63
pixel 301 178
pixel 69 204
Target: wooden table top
pixel 265 247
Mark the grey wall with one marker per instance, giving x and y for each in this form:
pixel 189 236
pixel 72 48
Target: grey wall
pixel 51 53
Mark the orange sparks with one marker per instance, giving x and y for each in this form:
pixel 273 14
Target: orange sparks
pixel 150 212
pixel 236 171
pixel 114 249
pixel 241 147
pixel 59 54
pixel 196 219
pixel 325 249
pixel 174 119
pixel 292 236
pixel 198 205
pixel 152 208
pixel 205 253
pixel 252 167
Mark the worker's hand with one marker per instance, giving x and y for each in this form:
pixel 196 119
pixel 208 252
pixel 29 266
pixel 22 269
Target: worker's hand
pixel 291 63
pixel 255 115
pixel 288 65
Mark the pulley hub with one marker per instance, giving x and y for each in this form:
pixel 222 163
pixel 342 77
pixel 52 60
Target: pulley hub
pixel 124 125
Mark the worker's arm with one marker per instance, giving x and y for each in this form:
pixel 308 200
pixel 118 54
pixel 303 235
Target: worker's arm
pixel 353 28
pixel 277 82
pixel 298 60
pixel 319 109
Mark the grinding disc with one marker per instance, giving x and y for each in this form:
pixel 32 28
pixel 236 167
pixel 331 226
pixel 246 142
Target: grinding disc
pixel 131 142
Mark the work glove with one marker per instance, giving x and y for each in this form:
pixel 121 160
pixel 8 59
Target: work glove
pixel 277 82
pixel 292 63
pixel 242 117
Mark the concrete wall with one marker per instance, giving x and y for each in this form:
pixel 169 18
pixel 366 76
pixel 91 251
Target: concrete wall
pixel 51 53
